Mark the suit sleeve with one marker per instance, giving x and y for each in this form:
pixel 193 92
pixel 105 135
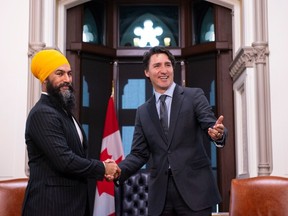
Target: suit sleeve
pixel 139 154
pixel 48 134
pixel 206 116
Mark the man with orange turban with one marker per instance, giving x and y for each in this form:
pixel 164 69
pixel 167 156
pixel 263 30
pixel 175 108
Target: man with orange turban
pixel 57 146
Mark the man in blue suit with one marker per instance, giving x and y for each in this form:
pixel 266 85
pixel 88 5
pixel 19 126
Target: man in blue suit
pixel 181 179
pixel 57 146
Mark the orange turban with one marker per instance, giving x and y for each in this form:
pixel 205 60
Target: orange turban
pixel 45 62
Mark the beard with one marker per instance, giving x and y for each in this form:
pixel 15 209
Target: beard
pixel 65 98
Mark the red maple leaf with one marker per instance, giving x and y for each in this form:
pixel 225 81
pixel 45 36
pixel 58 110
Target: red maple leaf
pixel 105 187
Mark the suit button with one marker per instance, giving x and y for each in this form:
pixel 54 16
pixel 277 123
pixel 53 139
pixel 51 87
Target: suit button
pixel 169 172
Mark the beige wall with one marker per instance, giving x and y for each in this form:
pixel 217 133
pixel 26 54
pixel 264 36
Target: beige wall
pixel 14 22
pixel 278 42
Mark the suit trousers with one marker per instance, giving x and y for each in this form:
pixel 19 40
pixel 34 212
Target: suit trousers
pixel 175 205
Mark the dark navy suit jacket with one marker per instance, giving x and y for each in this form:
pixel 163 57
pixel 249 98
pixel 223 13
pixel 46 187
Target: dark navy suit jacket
pixel 184 150
pixel 57 161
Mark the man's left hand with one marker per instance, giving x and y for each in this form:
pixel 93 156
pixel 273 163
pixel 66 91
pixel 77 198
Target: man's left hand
pixel 216 132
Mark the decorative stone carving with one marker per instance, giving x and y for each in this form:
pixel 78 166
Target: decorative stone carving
pixel 260 52
pixel 247 57
pixel 35 47
pixel 244 58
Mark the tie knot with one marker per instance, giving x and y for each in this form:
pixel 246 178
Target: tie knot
pixel 163 98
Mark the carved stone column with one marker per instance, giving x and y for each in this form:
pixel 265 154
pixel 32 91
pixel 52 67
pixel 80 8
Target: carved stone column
pixel 256 57
pixel 41 34
pixel 263 108
pixel 35 44
pixel 262 88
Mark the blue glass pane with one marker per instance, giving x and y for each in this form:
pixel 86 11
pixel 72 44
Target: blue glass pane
pixel 85 93
pixel 213 156
pixel 213 147
pixel 86 129
pixel 134 94
pixel 212 93
pixel 127 136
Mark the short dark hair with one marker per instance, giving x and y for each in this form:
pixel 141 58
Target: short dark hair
pixel 156 50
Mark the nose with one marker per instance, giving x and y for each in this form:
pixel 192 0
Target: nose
pixel 163 69
pixel 67 77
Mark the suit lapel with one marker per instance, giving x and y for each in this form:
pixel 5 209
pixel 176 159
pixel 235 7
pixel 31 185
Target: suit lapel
pixel 151 109
pixel 48 100
pixel 84 144
pixel 175 109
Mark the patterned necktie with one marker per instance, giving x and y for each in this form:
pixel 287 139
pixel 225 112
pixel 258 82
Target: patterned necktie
pixel 164 114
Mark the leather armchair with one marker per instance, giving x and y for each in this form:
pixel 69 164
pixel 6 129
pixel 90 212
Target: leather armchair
pixel 131 198
pixel 262 195
pixel 11 196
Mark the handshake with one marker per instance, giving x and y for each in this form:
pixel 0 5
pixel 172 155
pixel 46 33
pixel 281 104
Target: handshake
pixel 112 171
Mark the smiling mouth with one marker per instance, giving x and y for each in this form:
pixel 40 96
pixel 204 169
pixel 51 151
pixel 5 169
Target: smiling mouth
pixel 164 77
pixel 64 88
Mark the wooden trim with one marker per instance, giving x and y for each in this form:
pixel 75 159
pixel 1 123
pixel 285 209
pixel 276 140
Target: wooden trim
pixel 134 52
pixel 92 48
pixel 206 48
pixel 225 102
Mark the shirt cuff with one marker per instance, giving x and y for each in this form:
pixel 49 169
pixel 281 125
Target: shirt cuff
pixel 219 143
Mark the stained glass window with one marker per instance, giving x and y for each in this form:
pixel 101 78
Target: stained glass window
pixel 146 26
pixel 203 22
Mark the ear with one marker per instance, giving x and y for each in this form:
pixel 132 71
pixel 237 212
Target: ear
pixel 147 73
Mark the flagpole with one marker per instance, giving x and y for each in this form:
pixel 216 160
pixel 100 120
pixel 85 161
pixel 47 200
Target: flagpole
pixel 112 92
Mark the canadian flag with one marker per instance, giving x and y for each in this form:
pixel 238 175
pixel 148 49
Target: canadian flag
pixel 104 203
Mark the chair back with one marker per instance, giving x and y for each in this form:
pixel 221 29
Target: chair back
pixel 131 198
pixel 259 196
pixel 11 196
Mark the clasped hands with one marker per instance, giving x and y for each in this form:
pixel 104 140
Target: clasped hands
pixel 216 132
pixel 112 171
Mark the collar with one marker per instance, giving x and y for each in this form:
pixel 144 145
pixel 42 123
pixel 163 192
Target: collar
pixel 168 92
